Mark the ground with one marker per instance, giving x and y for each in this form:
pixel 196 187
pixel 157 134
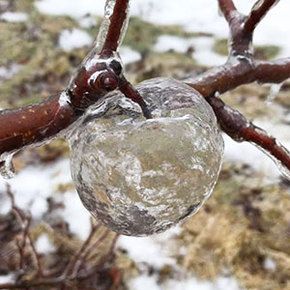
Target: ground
pixel 241 237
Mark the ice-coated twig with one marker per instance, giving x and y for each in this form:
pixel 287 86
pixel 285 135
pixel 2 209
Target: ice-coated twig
pixel 258 12
pixel 228 8
pixel 119 15
pixel 130 92
pixel 242 68
pixel 102 73
pixel 235 125
pixel 98 75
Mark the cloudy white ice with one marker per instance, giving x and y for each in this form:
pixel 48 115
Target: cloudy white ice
pixel 196 16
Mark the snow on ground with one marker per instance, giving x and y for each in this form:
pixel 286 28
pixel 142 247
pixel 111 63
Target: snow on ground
pixel 7 279
pixel 8 72
pixel 154 250
pixel 34 184
pixel 14 17
pixel 192 15
pixel 145 282
pixel 43 245
pixel 72 39
pixel 203 48
pixel 129 55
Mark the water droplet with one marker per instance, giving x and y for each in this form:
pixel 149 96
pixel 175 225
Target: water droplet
pixel 140 176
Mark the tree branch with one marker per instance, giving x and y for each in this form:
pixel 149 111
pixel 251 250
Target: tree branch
pixel 227 7
pixel 119 19
pixel 101 74
pixel 234 124
pixel 258 12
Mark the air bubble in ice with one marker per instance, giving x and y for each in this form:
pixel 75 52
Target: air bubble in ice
pixel 138 176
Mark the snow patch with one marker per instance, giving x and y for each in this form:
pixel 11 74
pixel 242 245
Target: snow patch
pixel 8 72
pixel 14 17
pixel 72 39
pixel 203 48
pixel 129 55
pixel 7 279
pixel 43 245
pixel 192 15
pixel 153 250
pixel 270 264
pixel 34 184
pixel 144 282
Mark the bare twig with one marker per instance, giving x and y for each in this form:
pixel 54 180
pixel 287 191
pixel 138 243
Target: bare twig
pixel 72 264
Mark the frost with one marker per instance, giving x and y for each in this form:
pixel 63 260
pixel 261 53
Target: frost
pixel 181 148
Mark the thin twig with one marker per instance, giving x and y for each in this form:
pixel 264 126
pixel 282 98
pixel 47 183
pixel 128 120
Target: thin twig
pixel 227 7
pixel 258 12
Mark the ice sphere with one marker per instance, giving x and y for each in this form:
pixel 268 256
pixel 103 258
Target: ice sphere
pixel 138 176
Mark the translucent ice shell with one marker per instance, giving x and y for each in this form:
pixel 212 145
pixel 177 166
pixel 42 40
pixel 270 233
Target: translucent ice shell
pixel 138 176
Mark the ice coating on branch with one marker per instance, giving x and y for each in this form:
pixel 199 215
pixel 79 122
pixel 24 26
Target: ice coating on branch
pixel 109 9
pixel 140 176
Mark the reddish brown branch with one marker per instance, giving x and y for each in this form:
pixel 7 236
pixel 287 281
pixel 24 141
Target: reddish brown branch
pixel 227 7
pixel 230 76
pixel 118 18
pixel 234 124
pixel 34 124
pixel 130 92
pixel 100 74
pixel 258 12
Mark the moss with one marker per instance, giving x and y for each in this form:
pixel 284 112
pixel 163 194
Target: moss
pixel 241 226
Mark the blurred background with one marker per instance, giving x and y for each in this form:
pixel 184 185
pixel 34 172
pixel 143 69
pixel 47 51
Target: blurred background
pixel 241 237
